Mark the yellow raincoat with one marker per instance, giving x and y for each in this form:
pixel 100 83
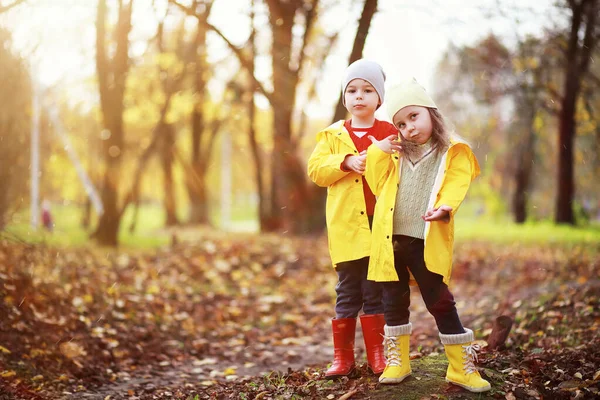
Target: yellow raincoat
pixel 348 232
pixel 457 169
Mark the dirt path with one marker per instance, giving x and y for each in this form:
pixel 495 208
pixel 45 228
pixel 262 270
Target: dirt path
pixel 251 319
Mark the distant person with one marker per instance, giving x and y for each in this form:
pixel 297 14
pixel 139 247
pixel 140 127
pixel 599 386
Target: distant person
pixel 338 163
pixel 47 220
pixel 420 177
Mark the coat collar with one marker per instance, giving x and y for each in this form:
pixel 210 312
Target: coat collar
pixel 458 141
pixel 339 131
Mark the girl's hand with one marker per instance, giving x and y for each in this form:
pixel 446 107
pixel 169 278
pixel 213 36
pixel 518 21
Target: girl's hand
pixel 388 145
pixel 442 213
pixel 356 163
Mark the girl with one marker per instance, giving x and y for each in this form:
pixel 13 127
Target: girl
pixel 338 163
pixel 420 182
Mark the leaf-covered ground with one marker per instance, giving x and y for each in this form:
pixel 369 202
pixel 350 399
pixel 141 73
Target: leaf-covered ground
pixel 248 317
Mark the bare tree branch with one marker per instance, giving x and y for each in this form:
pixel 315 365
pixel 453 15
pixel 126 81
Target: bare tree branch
pixel 169 86
pixel 245 63
pixel 589 38
pixel 101 56
pixel 552 110
pixel 215 125
pixel 364 24
pixel 121 58
pixel 590 109
pixel 243 59
pixel 5 8
pixel 554 93
pixel 594 78
pixel 572 47
pixel 310 19
pixel 133 193
pixel 312 92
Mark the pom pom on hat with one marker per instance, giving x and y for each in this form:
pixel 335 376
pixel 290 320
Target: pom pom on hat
pixel 369 71
pixel 407 93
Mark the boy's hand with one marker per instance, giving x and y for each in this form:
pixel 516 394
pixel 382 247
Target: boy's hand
pixel 356 163
pixel 442 213
pixel 388 145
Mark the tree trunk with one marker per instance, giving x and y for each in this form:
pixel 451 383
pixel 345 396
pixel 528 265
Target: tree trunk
pixel 316 219
pixel 135 214
pixel 288 182
pixel 108 227
pixel 524 164
pixel 256 153
pixel 196 181
pixel 87 213
pixel 198 199
pixel 167 159
pixel 566 139
pixel 112 74
pixel 577 65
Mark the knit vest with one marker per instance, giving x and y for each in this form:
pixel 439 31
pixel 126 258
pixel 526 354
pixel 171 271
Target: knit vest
pixel 416 183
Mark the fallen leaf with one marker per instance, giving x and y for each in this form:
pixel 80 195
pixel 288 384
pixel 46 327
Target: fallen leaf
pixel 348 395
pixel 205 361
pixel 72 350
pixel 569 385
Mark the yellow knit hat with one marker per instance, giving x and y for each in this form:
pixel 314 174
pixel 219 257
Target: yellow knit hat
pixel 407 93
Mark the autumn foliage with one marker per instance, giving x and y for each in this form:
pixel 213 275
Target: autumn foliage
pixel 248 315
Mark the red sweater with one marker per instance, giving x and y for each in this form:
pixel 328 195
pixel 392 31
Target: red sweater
pixel 379 130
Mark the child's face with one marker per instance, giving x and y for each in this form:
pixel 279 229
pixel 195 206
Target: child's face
pixel 361 98
pixel 414 123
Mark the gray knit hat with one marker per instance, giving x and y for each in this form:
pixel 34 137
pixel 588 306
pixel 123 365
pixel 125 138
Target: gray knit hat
pixel 369 71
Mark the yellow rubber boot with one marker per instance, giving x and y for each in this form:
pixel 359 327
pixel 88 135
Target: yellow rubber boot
pixel 396 342
pixel 462 354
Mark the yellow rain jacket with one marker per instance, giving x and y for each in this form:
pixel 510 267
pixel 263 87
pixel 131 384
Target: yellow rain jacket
pixel 348 232
pixel 457 169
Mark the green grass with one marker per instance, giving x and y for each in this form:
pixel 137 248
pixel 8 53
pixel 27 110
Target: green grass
pixel 506 231
pixel 68 230
pixel 428 379
pixel 150 232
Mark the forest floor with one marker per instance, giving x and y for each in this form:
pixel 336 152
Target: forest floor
pixel 248 317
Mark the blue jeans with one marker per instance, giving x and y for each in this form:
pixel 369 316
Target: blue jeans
pixel 408 255
pixel 354 291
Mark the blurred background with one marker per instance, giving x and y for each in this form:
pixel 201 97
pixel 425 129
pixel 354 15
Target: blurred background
pixel 137 121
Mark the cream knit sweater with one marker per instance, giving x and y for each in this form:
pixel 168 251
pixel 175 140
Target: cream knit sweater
pixel 416 182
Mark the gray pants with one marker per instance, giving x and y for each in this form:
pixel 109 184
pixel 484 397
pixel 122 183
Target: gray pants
pixel 355 292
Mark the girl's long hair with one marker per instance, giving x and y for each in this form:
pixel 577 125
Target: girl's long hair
pixel 440 135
